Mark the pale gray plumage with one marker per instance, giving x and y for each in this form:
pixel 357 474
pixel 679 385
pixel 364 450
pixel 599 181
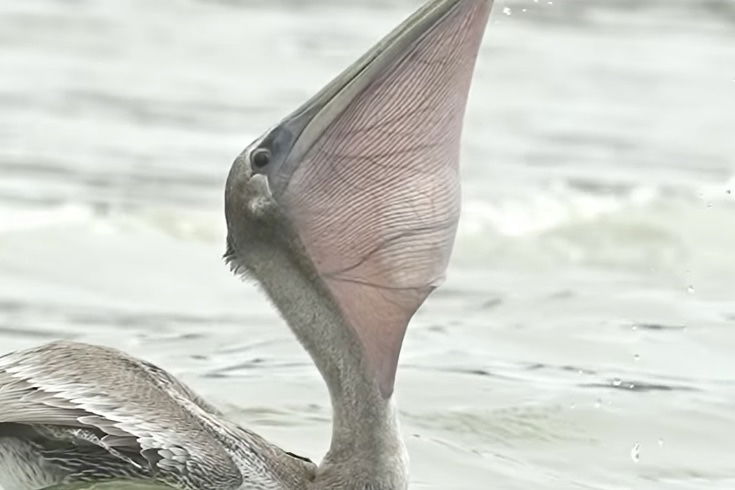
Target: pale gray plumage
pixel 135 421
pixel 345 213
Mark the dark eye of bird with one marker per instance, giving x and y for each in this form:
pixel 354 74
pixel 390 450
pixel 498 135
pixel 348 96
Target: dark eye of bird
pixel 261 157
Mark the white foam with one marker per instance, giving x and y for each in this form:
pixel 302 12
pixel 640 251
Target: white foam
pixel 19 219
pixel 547 209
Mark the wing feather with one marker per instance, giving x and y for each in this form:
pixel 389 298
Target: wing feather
pixel 119 403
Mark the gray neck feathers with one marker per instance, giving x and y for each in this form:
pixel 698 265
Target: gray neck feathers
pixel 366 443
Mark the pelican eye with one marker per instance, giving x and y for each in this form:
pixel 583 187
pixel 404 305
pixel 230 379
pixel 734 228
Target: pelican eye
pixel 260 157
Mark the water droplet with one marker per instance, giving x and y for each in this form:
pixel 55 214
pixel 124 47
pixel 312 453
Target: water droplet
pixel 636 357
pixel 635 453
pixel 631 386
pixel 617 382
pixel 660 443
pixel 709 204
pixel 690 289
pixel 598 403
pixel 507 10
pixel 524 10
pixel 573 406
pixel 634 328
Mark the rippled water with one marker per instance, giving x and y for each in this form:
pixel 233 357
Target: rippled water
pixel 585 337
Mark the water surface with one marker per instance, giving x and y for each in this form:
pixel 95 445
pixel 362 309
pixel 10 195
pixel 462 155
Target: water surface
pixel 585 336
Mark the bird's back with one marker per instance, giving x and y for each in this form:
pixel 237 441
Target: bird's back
pixel 73 413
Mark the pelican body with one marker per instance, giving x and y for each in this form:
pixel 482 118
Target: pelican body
pixel 345 213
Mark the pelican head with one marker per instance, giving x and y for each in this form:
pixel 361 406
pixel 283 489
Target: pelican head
pixel 346 212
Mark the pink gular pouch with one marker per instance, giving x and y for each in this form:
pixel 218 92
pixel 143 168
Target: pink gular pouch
pixel 370 183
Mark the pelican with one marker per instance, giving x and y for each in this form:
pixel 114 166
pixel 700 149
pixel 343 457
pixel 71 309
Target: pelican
pixel 345 214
